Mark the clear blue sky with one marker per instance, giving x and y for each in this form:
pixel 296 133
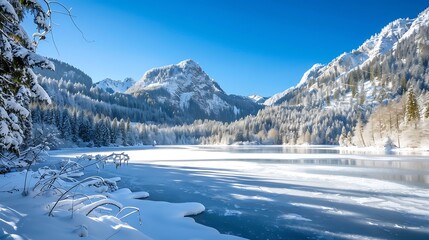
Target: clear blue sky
pixel 249 47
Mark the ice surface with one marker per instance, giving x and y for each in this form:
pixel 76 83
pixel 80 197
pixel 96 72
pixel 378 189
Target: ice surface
pixel 296 217
pixel 258 192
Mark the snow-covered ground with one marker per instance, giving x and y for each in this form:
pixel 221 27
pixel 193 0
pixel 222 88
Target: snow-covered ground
pixel 279 192
pixel 92 212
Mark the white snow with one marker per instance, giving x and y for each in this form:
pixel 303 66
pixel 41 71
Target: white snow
pixel 9 10
pixel 215 104
pixel 4 129
pixel 171 77
pixel 422 19
pixel 28 218
pixel 184 99
pixel 116 86
pixel 255 197
pixel 272 100
pixel 17 107
pixel 315 71
pixel 40 93
pixel 295 217
pixel 229 212
pixel 385 40
pixel 183 81
pixel 236 110
pixel 257 99
pixel 311 73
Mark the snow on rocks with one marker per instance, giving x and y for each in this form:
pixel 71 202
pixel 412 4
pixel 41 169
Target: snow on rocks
pixel 115 86
pixel 185 85
pixel 125 193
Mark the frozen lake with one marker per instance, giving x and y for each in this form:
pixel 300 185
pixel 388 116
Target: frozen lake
pixel 277 192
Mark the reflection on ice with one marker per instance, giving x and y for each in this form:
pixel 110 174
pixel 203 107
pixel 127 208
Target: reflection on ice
pixel 229 212
pixel 296 217
pixel 256 197
pixel 328 210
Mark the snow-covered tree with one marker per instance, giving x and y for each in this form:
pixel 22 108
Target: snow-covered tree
pixel 427 110
pixel 115 131
pixel 66 128
pixel 18 83
pixel 273 136
pixel 343 138
pixel 412 112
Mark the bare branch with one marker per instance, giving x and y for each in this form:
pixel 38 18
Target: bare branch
pixel 78 184
pixel 68 12
pixel 39 36
pixel 134 210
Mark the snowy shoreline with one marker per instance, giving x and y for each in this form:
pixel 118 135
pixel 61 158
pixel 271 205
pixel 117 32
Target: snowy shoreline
pixel 400 151
pixel 28 217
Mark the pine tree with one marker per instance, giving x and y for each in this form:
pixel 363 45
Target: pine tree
pixel 101 134
pixel 343 137
pixel 115 131
pixel 122 137
pixel 36 116
pixel 273 135
pixel 66 128
pixel 75 126
pixel 18 83
pixel 129 138
pixel 107 131
pixel 403 84
pixel 97 137
pixel 359 130
pixel 85 128
pixel 412 114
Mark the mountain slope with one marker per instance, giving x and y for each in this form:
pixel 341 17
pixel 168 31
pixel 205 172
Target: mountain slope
pixel 344 97
pixel 258 99
pixel 186 89
pixel 115 86
pixel 65 72
pixel 153 100
pixel 378 44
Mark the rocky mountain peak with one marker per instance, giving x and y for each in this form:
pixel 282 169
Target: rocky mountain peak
pixel 115 86
pixel 172 77
pixel 189 64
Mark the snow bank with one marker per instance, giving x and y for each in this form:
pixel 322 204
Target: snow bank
pixel 27 218
pixel 91 214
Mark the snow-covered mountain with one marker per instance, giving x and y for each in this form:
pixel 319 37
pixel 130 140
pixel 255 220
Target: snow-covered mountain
pixel 186 88
pixel 113 86
pixel 358 93
pixel 66 72
pixel 378 44
pixel 310 74
pixel 258 99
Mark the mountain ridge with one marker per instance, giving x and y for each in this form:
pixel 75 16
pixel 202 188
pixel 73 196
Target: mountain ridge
pixel 112 86
pixel 378 44
pixel 186 86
